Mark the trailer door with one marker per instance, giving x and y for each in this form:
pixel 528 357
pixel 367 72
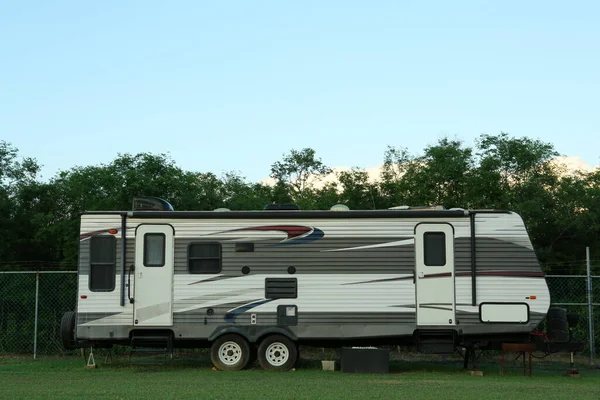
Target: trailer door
pixel 434 268
pixel 154 259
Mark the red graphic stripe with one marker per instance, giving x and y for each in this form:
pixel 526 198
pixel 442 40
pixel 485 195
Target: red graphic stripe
pixel 440 275
pixel 291 230
pixel 90 234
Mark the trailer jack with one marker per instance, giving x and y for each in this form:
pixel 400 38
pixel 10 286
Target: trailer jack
pixel 91 362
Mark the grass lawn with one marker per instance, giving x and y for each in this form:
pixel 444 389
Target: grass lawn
pixel 66 378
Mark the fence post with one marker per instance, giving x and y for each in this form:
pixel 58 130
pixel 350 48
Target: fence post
pixel 37 291
pixel 590 306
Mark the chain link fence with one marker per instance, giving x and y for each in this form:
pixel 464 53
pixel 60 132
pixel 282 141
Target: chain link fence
pixel 576 293
pixel 32 304
pixel 31 307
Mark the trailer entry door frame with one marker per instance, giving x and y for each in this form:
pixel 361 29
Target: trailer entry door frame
pixel 154 266
pixel 434 273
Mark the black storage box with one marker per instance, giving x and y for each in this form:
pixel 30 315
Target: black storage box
pixel 365 360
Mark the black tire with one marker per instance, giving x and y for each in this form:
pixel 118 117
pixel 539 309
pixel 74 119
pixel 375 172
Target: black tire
pixel 253 355
pixel 230 352
pixel 277 353
pixel 67 330
pixel 557 325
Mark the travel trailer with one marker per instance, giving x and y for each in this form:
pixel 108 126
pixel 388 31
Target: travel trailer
pixel 259 283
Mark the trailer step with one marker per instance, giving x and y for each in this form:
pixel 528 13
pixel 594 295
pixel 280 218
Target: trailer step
pixel 145 345
pixel 436 341
pixel 152 350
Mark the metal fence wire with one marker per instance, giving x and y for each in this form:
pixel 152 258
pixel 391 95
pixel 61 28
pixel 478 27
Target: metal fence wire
pixel 32 304
pixel 31 307
pixel 576 293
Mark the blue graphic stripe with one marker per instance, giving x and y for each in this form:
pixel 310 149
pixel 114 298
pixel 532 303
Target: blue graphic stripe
pixel 231 316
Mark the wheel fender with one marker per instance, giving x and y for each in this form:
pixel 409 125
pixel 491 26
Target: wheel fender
pixel 230 329
pixel 252 334
pixel 274 330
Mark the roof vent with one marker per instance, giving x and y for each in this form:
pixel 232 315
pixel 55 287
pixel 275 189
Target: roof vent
pixel 340 207
pixel 399 208
pixel 419 208
pixel 281 207
pixel 148 203
pixel 222 209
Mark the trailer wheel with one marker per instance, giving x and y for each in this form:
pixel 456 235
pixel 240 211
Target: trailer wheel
pixel 277 353
pixel 67 330
pixel 230 352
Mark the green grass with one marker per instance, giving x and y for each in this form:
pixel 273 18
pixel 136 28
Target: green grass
pixel 66 378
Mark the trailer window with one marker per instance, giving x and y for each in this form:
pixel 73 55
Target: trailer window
pixel 435 249
pixel 204 258
pixel 154 250
pixel 103 261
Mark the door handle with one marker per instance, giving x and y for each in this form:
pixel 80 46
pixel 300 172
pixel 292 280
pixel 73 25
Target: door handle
pixel 421 275
pixel 131 268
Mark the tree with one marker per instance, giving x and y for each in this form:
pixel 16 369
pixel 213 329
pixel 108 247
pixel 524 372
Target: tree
pixel 518 174
pixel 505 164
pixel 357 192
pixel 19 191
pixel 113 186
pixel 515 158
pixel 321 198
pixel 397 178
pixel 572 222
pixel 242 195
pixel 14 172
pixel 438 177
pixel 444 173
pixel 396 162
pixel 39 221
pixel 298 171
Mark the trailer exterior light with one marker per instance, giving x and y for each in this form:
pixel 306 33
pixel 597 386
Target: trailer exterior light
pixel 112 231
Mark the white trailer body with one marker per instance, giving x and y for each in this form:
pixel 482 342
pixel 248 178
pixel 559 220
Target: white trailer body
pixel 318 277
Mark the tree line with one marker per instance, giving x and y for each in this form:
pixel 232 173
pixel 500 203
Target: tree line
pixel 39 219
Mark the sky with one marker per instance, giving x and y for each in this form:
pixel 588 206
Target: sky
pixel 233 86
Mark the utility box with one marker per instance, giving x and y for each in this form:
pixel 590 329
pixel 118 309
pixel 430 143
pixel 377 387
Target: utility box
pixel 365 360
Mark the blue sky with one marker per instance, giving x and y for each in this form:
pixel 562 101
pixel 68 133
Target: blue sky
pixel 224 86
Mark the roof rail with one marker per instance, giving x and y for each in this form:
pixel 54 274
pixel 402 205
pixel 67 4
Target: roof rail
pixel 281 207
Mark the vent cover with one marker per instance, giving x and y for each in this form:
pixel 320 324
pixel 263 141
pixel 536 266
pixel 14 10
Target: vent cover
pixel 281 288
pixel 148 203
